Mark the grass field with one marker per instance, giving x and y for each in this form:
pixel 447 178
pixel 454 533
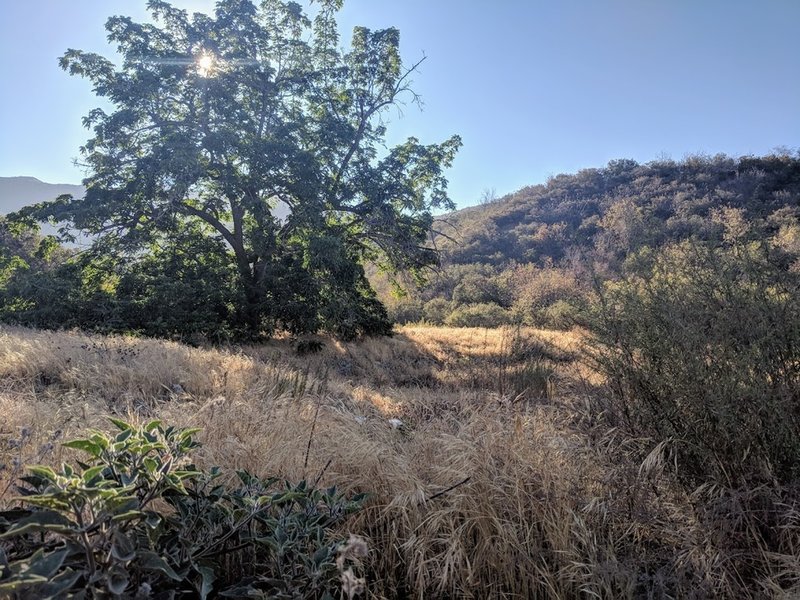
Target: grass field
pixel 503 479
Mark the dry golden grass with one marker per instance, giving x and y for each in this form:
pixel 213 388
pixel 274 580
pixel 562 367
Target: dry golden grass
pixel 486 491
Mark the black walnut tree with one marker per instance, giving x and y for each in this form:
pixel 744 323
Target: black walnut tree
pixel 221 119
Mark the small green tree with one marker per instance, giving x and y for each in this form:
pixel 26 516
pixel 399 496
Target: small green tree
pixel 222 118
pixel 185 285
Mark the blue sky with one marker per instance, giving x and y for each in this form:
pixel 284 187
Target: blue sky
pixel 534 88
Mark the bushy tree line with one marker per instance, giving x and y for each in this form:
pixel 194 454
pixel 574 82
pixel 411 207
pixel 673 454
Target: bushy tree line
pixel 184 286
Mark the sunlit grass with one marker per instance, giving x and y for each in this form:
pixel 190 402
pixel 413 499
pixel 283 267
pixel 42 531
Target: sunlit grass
pixel 480 493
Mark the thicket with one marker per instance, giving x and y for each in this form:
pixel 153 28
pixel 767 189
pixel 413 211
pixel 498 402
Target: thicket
pixel 700 347
pixel 184 286
pixel 135 518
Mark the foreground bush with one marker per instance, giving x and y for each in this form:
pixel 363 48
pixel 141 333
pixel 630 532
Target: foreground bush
pixel 701 348
pixel 136 520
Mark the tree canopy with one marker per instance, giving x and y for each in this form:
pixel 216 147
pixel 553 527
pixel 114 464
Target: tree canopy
pixel 219 122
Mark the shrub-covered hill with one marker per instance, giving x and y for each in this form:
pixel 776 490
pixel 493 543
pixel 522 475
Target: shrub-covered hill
pixel 525 255
pixel 617 209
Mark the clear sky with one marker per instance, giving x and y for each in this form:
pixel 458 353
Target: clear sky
pixel 534 87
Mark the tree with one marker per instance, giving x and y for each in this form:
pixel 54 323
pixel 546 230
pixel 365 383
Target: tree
pixel 221 118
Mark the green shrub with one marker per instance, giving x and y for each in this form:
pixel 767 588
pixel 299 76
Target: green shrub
pixel 136 518
pixel 701 347
pixel 562 314
pixel 479 315
pixel 436 311
pixel 405 310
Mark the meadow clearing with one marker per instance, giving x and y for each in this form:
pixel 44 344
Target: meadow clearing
pixel 491 468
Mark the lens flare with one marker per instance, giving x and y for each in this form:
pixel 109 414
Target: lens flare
pixel 205 65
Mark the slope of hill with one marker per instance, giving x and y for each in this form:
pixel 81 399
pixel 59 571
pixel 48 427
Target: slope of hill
pixel 16 192
pixel 625 206
pixel 531 249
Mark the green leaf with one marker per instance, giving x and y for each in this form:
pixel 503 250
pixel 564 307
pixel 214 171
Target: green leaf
pixel 285 497
pixel 245 477
pixel 56 587
pixel 186 474
pixel 21 584
pixel 127 516
pixel 150 561
pixel 123 435
pixel 188 432
pixel 85 445
pixel 122 504
pixel 117 582
pixel 151 465
pixel 48 501
pixel 121 425
pixel 91 473
pixel 46 565
pixel 208 578
pixel 122 547
pixel 41 520
pixel 100 440
pixel 45 472
pixel 153 519
pixel 152 425
pixel 320 556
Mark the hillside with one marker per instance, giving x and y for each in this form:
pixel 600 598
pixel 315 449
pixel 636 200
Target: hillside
pixel 624 206
pixel 557 236
pixel 16 192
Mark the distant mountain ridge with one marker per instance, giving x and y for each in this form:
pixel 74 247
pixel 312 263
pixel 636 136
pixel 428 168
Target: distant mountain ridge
pixel 16 192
